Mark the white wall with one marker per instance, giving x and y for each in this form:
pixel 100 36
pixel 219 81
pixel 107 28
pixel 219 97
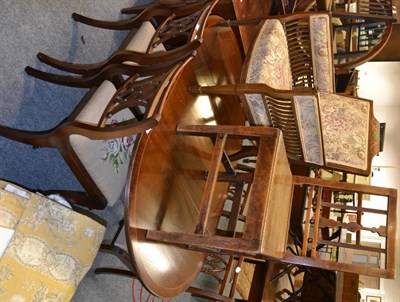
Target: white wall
pixel 380 81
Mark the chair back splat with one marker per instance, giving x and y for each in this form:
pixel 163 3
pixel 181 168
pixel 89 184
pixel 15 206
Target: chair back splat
pixel 336 235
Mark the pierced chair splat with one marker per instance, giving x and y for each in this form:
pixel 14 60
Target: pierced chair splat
pixel 348 230
pixel 98 139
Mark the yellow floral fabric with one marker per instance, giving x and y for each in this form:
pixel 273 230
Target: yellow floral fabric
pixel 50 252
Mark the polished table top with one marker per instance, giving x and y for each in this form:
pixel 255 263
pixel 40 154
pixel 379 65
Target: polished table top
pixel 168 170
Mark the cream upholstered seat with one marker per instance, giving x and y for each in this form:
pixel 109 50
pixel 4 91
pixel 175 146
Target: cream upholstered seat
pixel 51 248
pixel 142 39
pixel 105 160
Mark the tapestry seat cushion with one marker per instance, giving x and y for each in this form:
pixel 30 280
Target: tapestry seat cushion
pixel 345 129
pixel 106 161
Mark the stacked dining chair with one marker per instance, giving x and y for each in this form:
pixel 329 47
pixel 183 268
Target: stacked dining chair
pixel 126 93
pixel 156 35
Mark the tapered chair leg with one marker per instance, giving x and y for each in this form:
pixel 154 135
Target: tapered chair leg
pixel 217 90
pixel 72 81
pixel 110 72
pixel 37 139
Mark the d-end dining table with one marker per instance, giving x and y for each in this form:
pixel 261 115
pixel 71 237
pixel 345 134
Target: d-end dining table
pixel 167 171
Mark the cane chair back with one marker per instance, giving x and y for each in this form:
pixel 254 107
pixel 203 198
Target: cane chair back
pixel 98 139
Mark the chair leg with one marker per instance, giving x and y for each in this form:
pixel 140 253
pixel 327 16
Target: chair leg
pixel 114 271
pixel 229 89
pixel 72 81
pixel 109 247
pixel 37 139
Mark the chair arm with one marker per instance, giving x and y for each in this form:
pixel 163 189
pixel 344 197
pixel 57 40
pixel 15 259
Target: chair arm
pixel 126 24
pixel 110 132
pixel 171 56
pixel 271 92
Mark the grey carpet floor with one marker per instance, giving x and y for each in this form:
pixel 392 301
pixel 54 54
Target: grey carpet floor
pixel 29 27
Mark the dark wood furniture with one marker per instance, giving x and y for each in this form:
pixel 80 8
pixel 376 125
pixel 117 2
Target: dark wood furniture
pixel 177 177
pixel 157 34
pixel 98 138
pixel 321 217
pixel 183 202
pixel 294 96
pixel 245 10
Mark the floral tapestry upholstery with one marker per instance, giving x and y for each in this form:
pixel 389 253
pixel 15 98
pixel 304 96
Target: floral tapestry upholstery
pixel 50 252
pixel 306 109
pixel 106 161
pixel 321 46
pixel 345 130
pixel 269 64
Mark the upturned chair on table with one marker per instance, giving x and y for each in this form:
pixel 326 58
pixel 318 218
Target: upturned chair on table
pixel 98 138
pixel 266 226
pixel 157 34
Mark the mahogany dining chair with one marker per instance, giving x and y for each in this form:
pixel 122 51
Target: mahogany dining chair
pixel 157 34
pixel 265 231
pixel 97 139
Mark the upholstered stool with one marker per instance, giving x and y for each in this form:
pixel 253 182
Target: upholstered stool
pixel 50 247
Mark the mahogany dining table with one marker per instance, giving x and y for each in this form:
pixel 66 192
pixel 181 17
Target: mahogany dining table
pixel 167 170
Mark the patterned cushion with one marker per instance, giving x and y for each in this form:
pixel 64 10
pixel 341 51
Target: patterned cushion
pixel 50 252
pixel 105 160
pixel 345 129
pixel 306 109
pixel 321 46
pixel 269 64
